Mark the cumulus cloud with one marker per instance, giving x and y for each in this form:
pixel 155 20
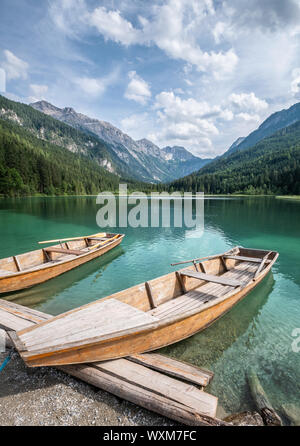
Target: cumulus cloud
pixel 96 86
pixel 15 68
pixel 138 89
pixel 2 80
pixel 38 91
pixel 113 26
pixel 295 84
pixel 248 101
pixel 185 121
pixel 228 57
pixel 69 16
pixel 136 125
pixel 173 27
pixel 248 117
pixel 267 14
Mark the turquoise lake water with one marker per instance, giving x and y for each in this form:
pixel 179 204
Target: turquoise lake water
pixel 256 333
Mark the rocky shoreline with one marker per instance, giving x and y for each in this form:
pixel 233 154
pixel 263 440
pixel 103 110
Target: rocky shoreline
pixel 47 397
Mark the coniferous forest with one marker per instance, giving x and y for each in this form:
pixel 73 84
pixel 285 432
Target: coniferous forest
pixel 272 166
pixel 32 165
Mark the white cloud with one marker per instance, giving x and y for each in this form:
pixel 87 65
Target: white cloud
pixel 177 108
pixel 14 67
pixel 227 115
pixel 218 31
pixel 185 122
pixel 295 84
pixel 2 80
pixel 96 86
pixel 39 91
pixel 173 26
pixel 248 117
pixel 69 16
pixel 113 26
pixel 248 102
pixel 207 41
pixel 137 125
pixel 138 89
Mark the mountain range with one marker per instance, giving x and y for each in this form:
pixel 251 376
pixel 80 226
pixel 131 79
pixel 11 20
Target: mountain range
pixel 141 159
pixel 40 134
pixel 274 122
pixel 271 166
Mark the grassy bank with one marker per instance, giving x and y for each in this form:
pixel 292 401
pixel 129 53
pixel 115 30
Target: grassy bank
pixel 288 197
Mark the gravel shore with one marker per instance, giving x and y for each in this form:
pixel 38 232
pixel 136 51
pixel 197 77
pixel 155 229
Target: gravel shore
pixel 48 397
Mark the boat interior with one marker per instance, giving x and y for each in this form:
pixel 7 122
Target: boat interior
pixel 65 250
pixel 148 305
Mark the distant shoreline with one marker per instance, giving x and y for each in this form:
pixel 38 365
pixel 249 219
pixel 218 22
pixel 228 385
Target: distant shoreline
pixel 281 197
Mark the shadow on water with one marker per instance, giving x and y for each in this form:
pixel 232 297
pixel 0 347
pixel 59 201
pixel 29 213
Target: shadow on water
pixel 206 347
pixel 40 294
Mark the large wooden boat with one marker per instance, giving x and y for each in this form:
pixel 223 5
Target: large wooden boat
pixel 31 268
pixel 147 316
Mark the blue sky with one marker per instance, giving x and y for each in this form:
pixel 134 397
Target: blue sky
pixel 178 72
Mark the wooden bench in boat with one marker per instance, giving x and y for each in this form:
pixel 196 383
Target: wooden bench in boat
pixel 97 238
pixel 75 252
pixel 245 259
pixel 151 380
pixel 206 293
pixel 210 278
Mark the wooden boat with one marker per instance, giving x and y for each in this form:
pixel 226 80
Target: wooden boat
pixel 147 316
pixel 31 268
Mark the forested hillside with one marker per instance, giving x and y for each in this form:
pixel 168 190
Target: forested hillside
pixel 29 165
pixel 272 166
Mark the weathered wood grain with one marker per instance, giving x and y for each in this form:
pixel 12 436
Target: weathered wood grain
pixel 181 370
pixel 113 378
pixel 77 335
pixel 34 267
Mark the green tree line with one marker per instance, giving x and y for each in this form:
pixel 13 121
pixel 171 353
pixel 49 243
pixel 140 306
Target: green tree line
pixel 272 166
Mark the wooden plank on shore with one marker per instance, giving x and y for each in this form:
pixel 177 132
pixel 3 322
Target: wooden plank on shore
pixel 159 400
pixel 10 321
pixel 5 304
pixel 161 384
pixel 172 367
pixel 141 397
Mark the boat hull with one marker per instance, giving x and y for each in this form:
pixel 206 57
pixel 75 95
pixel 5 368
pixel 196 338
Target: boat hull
pixel 27 279
pixel 167 333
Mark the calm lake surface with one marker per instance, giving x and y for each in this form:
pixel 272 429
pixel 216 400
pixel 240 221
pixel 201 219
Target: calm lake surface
pixel 256 333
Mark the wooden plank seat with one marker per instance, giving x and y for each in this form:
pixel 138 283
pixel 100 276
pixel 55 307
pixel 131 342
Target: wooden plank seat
pixel 208 292
pixel 245 259
pixel 210 278
pixel 5 272
pixel 97 238
pixel 104 318
pixel 75 252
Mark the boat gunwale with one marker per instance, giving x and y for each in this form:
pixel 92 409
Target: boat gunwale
pixel 45 265
pixel 150 327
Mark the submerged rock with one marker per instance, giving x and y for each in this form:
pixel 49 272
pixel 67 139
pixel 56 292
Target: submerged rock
pixel 292 413
pixel 245 419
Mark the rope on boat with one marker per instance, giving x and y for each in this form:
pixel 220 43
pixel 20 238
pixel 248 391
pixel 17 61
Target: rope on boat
pixel 5 362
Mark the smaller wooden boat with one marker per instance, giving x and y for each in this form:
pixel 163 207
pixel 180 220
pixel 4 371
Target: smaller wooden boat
pixel 28 269
pixel 147 316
